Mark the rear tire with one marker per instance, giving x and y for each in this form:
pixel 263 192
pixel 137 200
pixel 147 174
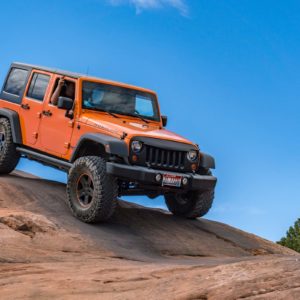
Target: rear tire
pixel 91 192
pixel 190 205
pixel 9 157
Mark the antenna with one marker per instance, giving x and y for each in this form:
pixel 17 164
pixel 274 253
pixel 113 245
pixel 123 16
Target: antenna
pixel 87 70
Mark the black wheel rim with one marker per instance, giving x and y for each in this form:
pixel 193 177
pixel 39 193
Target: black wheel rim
pixel 85 190
pixel 2 142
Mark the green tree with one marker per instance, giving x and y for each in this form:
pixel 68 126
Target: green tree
pixel 292 239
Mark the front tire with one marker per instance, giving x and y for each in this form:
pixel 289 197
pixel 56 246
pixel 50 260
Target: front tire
pixel 91 192
pixel 190 205
pixel 9 157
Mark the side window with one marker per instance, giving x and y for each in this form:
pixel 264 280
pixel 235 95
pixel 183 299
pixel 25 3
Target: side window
pixel 63 88
pixel 16 81
pixel 38 86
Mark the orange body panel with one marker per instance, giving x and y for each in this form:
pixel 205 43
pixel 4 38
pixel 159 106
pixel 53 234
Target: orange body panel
pixel 58 135
pixel 31 118
pixel 55 131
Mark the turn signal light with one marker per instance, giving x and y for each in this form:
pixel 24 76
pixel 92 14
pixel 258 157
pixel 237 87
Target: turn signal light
pixel 185 181
pixel 158 177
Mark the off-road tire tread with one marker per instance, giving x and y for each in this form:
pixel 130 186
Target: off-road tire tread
pixel 200 204
pixel 10 157
pixel 105 187
pixel 203 204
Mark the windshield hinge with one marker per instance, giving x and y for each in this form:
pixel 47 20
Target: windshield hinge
pixel 124 135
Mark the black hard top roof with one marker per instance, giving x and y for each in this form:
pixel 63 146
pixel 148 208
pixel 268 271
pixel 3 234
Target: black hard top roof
pixel 74 75
pixel 52 70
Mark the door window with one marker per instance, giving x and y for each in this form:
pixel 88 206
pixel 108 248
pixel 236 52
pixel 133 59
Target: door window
pixel 38 86
pixel 16 81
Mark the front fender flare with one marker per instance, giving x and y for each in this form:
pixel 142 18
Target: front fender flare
pixel 207 161
pixel 112 145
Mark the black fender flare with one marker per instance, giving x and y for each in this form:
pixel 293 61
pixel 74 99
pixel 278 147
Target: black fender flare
pixel 112 145
pixel 207 161
pixel 14 120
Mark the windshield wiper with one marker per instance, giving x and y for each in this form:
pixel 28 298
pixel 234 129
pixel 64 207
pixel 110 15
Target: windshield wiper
pixel 108 112
pixel 112 114
pixel 115 116
pixel 138 116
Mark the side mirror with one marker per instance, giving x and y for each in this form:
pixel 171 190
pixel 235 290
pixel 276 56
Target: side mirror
pixel 65 103
pixel 164 120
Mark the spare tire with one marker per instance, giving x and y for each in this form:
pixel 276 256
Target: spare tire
pixel 9 156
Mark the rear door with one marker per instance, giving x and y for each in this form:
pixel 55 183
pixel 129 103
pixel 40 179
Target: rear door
pixel 31 108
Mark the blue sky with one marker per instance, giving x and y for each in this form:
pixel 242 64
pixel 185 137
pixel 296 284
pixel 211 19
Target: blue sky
pixel 226 72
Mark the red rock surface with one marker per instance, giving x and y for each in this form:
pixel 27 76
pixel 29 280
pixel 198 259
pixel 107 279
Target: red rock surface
pixel 141 254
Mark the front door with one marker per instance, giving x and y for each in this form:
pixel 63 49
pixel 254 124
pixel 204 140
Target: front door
pixel 32 105
pixel 56 128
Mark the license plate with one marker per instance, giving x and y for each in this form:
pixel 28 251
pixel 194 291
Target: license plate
pixel 172 180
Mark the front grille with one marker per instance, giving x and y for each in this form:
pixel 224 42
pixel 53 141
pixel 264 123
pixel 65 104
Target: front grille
pixel 156 157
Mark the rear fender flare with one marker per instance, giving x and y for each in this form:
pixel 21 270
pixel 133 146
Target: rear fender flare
pixel 14 119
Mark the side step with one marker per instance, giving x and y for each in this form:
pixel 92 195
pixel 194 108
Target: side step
pixel 45 159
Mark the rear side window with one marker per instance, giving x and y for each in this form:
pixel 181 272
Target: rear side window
pixel 38 86
pixel 16 81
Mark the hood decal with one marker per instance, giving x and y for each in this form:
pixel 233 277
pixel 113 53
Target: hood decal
pixel 103 127
pixel 129 129
pixel 138 125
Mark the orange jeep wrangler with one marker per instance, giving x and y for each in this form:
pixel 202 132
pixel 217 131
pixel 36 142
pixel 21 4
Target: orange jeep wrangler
pixel 108 136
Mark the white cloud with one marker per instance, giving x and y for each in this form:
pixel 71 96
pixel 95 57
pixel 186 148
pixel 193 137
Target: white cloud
pixel 141 5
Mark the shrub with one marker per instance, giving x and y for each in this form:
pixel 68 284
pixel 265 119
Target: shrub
pixel 292 238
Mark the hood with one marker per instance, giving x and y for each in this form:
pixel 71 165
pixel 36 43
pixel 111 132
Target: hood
pixel 130 127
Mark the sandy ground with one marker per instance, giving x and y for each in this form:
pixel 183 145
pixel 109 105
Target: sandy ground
pixel 45 253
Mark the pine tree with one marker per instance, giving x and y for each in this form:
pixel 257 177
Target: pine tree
pixel 292 239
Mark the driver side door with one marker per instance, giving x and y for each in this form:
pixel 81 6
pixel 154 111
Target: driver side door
pixel 56 128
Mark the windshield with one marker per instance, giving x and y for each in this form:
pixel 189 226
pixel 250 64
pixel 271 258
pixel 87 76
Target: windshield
pixel 124 101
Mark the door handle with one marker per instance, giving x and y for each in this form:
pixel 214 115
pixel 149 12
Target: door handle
pixel 25 106
pixel 47 113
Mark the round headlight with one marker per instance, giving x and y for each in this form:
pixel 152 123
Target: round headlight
pixel 136 146
pixel 192 155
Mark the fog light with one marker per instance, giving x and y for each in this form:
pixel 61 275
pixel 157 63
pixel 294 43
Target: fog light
pixel 158 177
pixel 185 181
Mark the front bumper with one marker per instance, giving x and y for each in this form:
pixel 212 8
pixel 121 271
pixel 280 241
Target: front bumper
pixel 147 176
